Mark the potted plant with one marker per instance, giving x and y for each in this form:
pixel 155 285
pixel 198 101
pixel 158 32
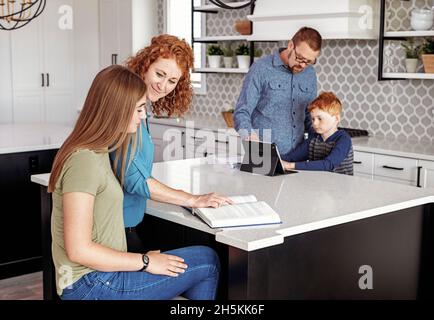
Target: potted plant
pixel 228 115
pixel 228 57
pixel 257 54
pixel 427 51
pixel 412 52
pixel 243 56
pixel 214 53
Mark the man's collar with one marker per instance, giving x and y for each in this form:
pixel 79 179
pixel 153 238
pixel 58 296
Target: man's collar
pixel 277 61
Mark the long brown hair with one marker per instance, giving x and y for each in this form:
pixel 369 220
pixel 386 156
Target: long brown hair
pixel 168 47
pixel 104 120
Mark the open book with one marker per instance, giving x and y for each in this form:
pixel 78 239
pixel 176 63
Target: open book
pixel 245 211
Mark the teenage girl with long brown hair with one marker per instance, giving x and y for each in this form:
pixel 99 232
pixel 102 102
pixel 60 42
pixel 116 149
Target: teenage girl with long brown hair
pixel 89 245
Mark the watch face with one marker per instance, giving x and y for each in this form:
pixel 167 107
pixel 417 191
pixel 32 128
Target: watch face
pixel 145 259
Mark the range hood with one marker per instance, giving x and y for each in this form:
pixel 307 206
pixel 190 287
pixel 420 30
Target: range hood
pixel 334 19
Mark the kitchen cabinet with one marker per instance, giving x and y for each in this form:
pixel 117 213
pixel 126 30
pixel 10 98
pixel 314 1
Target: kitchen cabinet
pixel 42 69
pixel 395 169
pixel 20 236
pixel 169 142
pixel 426 173
pixel 403 170
pixel 116 30
pixel 49 64
pixel 364 164
pixel 194 143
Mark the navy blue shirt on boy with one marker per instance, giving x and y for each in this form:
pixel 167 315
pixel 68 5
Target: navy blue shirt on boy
pixel 272 97
pixel 335 154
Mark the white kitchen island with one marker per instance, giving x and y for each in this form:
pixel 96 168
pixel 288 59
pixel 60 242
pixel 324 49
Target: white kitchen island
pixel 333 227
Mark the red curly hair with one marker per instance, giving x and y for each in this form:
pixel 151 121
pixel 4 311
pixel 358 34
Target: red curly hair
pixel 168 47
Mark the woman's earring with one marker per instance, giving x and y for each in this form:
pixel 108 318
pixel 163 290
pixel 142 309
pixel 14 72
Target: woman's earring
pixel 173 95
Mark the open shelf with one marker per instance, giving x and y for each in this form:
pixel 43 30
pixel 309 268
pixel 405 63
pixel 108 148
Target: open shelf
pixel 221 70
pixel 399 34
pixel 402 75
pixel 221 38
pixel 212 7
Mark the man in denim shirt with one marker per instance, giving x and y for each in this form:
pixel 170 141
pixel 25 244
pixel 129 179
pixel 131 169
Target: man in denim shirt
pixel 276 92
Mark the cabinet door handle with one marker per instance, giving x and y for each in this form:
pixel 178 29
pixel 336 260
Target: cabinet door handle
pixel 219 141
pixel 48 79
pixel 419 168
pixel 199 138
pixel 393 168
pixel 114 58
pixel 34 164
pixel 357 162
pixel 43 80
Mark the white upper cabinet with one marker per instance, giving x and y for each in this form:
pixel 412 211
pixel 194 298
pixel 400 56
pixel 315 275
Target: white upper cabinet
pixel 42 68
pixel 334 19
pixel 52 62
pixel 115 31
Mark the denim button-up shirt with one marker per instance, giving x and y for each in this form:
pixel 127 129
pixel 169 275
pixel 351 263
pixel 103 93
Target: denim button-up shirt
pixel 272 97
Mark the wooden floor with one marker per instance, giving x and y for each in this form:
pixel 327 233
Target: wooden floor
pixel 26 287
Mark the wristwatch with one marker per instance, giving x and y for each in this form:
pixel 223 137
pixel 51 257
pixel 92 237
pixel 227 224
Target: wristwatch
pixel 145 260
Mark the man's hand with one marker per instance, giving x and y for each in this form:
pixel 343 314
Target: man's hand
pixel 252 137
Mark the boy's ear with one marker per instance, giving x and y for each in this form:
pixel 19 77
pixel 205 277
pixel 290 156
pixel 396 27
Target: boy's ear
pixel 338 118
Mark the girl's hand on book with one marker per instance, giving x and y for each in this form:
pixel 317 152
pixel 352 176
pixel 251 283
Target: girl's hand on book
pixel 165 264
pixel 208 200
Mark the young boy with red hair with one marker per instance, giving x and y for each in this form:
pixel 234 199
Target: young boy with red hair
pixel 329 149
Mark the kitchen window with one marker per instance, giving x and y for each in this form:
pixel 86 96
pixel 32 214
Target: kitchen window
pixel 178 23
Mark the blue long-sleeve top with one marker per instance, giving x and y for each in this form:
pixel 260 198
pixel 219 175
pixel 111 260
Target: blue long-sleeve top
pixel 136 190
pixel 335 154
pixel 274 98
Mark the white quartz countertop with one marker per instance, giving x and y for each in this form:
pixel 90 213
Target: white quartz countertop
pixel 305 201
pixel 203 123
pixel 376 144
pixel 395 147
pixel 31 137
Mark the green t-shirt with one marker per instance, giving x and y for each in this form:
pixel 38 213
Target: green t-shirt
pixel 89 172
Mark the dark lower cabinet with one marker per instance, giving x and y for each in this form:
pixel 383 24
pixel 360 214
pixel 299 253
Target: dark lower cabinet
pixel 20 227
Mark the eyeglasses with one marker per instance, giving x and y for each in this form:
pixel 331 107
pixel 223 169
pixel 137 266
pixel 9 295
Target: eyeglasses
pixel 303 60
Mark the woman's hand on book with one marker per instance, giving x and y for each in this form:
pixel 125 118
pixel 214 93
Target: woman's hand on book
pixel 165 264
pixel 208 200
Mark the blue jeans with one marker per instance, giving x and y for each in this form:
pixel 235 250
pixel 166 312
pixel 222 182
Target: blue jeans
pixel 198 282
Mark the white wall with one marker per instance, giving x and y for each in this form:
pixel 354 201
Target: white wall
pixel 6 114
pixel 144 22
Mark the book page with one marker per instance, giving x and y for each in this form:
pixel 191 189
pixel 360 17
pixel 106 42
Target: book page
pixel 240 214
pixel 243 199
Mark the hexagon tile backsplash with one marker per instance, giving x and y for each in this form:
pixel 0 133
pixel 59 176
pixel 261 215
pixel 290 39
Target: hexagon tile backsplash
pixel 401 109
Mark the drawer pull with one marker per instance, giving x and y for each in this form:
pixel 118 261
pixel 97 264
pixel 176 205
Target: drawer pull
pixel 357 162
pixel 393 168
pixel 418 177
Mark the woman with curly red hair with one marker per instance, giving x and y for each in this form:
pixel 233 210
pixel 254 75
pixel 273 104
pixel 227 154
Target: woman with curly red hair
pixel 165 68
